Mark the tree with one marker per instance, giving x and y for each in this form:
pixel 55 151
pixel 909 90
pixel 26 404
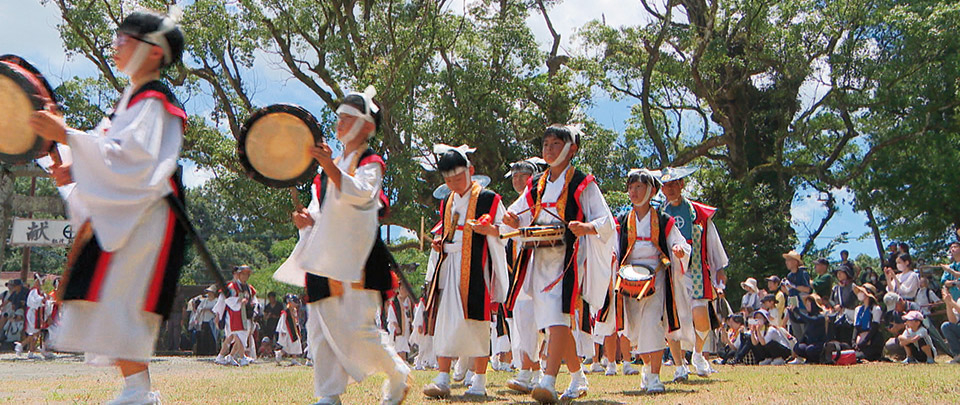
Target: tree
pixel 733 87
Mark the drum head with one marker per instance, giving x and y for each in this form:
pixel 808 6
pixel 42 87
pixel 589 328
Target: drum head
pixel 20 96
pixel 274 145
pixel 635 272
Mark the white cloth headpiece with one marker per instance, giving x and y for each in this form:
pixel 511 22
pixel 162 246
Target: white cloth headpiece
pixel 463 150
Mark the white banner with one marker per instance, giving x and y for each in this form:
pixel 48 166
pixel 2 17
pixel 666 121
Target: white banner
pixel 41 232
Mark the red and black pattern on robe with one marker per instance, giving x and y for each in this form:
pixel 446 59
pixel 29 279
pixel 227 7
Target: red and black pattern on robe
pixel 670 307
pixel 89 264
pixel 572 212
pixel 376 271
pixel 293 326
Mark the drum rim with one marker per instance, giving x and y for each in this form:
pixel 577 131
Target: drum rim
pixel 297 111
pixel 653 271
pixel 13 72
pixel 23 63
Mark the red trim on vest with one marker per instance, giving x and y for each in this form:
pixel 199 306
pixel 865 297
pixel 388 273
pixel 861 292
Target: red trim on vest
pixel 373 159
pixel 160 269
pixel 99 273
pixel 172 109
pixel 530 191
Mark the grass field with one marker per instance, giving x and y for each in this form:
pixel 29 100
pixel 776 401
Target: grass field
pixel 191 380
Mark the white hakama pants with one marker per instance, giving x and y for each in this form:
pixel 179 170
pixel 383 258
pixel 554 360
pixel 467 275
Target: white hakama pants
pixel 345 343
pixel 524 335
pixel 644 320
pixel 116 326
pixel 454 334
pixel 546 267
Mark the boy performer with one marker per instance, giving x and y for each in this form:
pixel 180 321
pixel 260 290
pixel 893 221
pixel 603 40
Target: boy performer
pixel 467 272
pixel 568 274
pixel 288 330
pixel 236 307
pixel 343 263
pixel 126 259
pixel 705 275
pixel 650 239
pixel 524 335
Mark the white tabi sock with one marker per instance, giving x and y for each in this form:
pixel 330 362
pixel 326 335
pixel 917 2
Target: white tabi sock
pixel 137 383
pixel 537 375
pixel 479 381
pixel 549 381
pixel 579 376
pixel 442 379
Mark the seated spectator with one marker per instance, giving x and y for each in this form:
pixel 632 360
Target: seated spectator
pixel 751 295
pixel 951 272
pixel 894 323
pixel 916 341
pixel 770 343
pixel 12 332
pixel 951 328
pixel 816 333
pixel 775 290
pixel 733 337
pixel 769 304
pixel 927 298
pixel 844 302
pixel 904 281
pixel 869 340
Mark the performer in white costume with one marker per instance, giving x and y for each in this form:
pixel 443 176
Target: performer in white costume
pixel 344 288
pixel 126 259
pixel 236 307
pixel 704 281
pixel 466 274
pixel 648 238
pixel 574 272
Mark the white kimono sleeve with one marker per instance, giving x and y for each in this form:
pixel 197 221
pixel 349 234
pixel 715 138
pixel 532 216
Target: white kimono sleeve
pixel 716 255
pixel 119 175
pixel 290 271
pixel 339 243
pixel 500 281
pixel 392 323
pixel 282 325
pixel 596 252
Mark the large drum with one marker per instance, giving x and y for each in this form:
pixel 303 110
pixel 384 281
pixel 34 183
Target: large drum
pixel 274 145
pixel 23 90
pixel 636 281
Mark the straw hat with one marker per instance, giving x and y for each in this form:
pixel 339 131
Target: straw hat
pixel 793 255
pixel 750 284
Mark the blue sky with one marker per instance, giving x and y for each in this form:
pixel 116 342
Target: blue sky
pixel 28 29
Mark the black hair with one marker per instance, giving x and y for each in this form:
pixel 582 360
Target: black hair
pixel 271 294
pixel 644 177
pixel 141 23
pixel 357 101
pixel 956 242
pixel 906 257
pixel 450 161
pixel 562 133
pixel 844 252
pixel 738 318
pixel 904 246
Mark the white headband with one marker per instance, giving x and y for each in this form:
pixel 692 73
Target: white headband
pixel 463 150
pixel 168 24
pixel 574 139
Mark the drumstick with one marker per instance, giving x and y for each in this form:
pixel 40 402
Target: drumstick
pixel 297 205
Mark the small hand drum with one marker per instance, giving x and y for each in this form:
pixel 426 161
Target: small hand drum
pixel 23 90
pixel 538 236
pixel 274 145
pixel 636 281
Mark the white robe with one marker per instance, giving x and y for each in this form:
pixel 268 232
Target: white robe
pixel 455 335
pixel 594 258
pixel 644 321
pixel 285 337
pixel 401 341
pixel 35 311
pixel 122 171
pixel 357 193
pixel 343 339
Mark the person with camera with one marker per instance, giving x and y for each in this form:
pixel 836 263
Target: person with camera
pixel 770 344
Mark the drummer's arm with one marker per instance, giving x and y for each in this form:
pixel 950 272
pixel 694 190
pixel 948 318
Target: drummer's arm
pixel 595 210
